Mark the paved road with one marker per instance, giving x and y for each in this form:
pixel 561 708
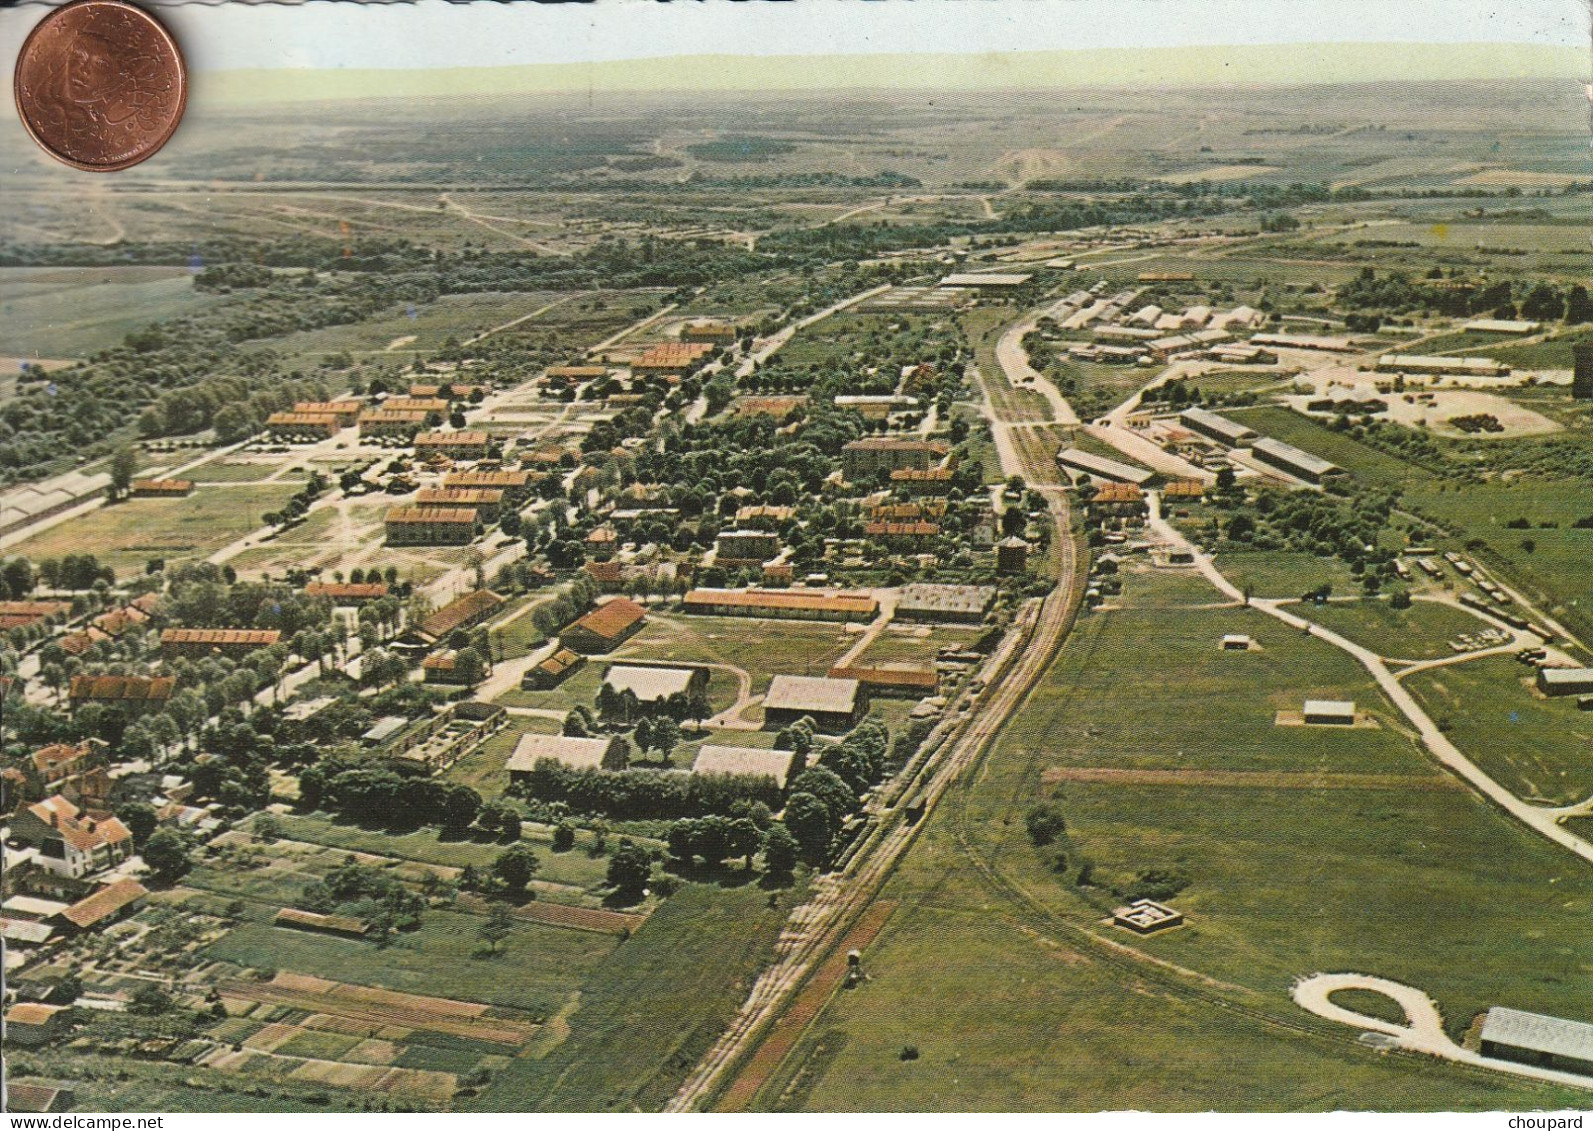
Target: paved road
pixel 887 599
pixel 766 348
pixel 1424 1028
pixel 1540 820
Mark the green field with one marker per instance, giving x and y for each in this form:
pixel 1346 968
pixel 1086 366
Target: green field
pixel 124 1084
pixel 69 312
pixel 237 471
pixel 1170 588
pixel 1355 457
pixel 763 648
pixel 127 535
pixel 728 645
pixel 1421 632
pixel 573 868
pixel 1308 866
pixel 484 769
pixel 402 333
pixel 1540 749
pixel 538 967
pixel 1554 571
pixel 1283 573
pixel 1149 688
pixel 1550 562
pixel 1552 353
pixel 653 1008
pixel 1018 1022
pixel 904 643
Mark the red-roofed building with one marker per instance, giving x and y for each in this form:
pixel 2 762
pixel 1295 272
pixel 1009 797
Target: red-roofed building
pixel 104 907
pixel 487 502
pixel 606 574
pixel 294 427
pixel 912 533
pixel 201 642
pixel 934 481
pixel 130 692
pixel 76 771
pixel 38 1097
pixel 118 621
pixel 454 445
pixel 605 627
pixel 465 612
pixel 70 841
pixel 344 413
pixel 431 526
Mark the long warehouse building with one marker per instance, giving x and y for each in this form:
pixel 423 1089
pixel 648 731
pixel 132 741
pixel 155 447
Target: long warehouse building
pixel 1215 427
pixel 1100 467
pixel 1290 459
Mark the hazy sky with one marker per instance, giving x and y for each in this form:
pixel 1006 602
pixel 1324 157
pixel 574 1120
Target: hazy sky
pixel 434 33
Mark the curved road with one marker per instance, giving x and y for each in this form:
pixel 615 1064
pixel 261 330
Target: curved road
pixel 1424 1030
pixel 1543 821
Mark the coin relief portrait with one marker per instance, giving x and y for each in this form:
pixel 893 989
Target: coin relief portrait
pixel 100 85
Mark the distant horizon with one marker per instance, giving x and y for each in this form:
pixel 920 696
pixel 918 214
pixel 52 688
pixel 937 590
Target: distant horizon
pixel 432 35
pixel 1279 65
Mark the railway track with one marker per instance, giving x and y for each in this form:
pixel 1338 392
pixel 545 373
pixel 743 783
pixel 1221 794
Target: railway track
pixel 838 899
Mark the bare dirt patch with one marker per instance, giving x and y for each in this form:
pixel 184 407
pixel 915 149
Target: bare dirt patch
pixel 789 1027
pixel 390 1014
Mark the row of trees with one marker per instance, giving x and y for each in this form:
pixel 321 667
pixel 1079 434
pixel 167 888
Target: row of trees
pixel 392 796
pixel 1397 292
pixel 644 794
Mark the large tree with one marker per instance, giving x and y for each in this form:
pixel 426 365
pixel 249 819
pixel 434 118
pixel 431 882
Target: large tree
pixel 779 851
pixel 123 464
pixel 629 869
pixel 515 866
pixel 808 820
pixel 167 853
pixel 498 926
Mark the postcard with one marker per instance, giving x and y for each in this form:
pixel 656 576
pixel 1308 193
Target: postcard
pixel 824 557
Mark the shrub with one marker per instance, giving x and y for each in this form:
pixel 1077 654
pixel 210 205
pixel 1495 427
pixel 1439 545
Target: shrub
pixel 1156 883
pixel 1045 825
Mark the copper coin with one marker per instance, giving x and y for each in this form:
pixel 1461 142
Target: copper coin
pixel 100 84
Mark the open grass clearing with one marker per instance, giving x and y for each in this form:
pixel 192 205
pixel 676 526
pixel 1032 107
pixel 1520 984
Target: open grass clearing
pixel 1007 1011
pixel 1421 632
pixel 1006 1020
pixel 61 312
pixel 903 642
pixel 126 535
pixel 535 968
pixel 653 1008
pixel 1540 749
pixel 1152 689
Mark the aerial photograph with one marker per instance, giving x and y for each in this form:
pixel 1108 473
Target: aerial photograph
pixel 816 557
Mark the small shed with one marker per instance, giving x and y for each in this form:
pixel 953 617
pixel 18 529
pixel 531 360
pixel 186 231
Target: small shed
pixel 1330 712
pixel 29 1024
